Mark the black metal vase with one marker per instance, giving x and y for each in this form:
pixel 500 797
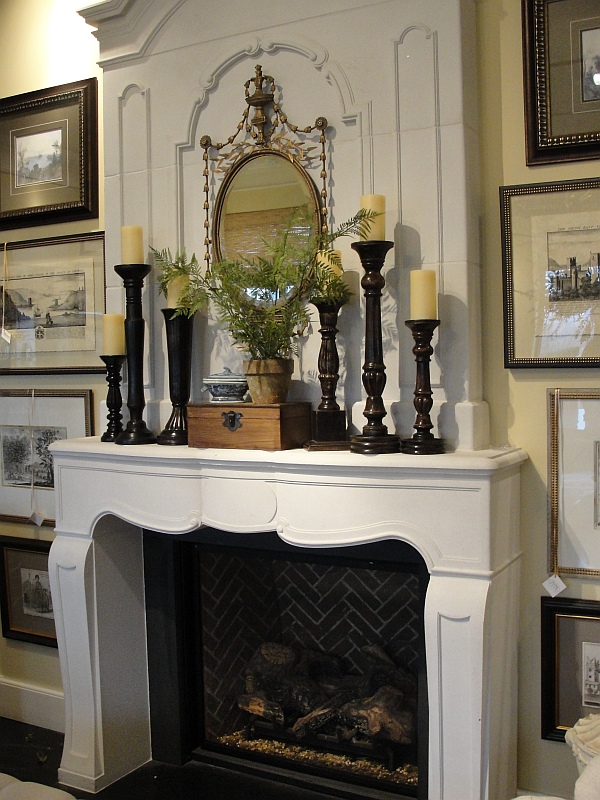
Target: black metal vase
pixel 179 353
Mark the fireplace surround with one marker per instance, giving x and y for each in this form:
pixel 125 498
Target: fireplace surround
pixel 458 511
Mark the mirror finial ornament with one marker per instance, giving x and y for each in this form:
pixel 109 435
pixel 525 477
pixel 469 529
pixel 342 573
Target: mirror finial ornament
pixel 265 176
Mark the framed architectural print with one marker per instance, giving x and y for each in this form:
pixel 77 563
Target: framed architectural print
pixel 52 298
pixel 49 155
pixel 570 631
pixel 574 482
pixel 30 420
pixel 561 45
pixel 25 597
pixel 551 274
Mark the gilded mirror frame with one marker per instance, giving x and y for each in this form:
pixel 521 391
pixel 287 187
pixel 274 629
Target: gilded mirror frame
pixel 268 132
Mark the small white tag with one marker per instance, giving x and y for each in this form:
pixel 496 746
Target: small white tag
pixel 36 518
pixel 5 335
pixel 554 585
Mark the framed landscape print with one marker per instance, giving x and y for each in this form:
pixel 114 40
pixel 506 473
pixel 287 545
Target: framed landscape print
pixel 52 298
pixel 570 671
pixel 561 45
pixel 551 274
pixel 574 482
pixel 25 597
pixel 30 420
pixel 49 155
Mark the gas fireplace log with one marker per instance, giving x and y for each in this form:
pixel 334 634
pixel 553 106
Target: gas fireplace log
pixel 388 714
pixel 261 707
pixel 383 671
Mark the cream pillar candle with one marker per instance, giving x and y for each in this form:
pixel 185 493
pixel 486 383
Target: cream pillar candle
pixel 113 335
pixel 335 266
pixel 175 289
pixel 132 244
pixel 374 202
pixel 423 294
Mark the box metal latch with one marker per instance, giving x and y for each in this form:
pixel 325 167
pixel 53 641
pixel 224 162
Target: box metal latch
pixel 231 420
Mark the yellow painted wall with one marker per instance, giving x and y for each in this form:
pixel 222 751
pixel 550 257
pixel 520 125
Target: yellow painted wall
pixel 43 43
pixel 517 398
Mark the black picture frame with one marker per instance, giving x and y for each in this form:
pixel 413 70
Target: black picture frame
pixel 551 273
pixel 49 155
pixel 25 596
pixel 570 633
pixel 561 39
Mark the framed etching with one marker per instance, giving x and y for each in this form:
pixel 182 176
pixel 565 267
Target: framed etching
pixel 561 46
pixel 49 155
pixel 25 597
pixel 570 631
pixel 52 297
pixel 574 482
pixel 551 274
pixel 30 420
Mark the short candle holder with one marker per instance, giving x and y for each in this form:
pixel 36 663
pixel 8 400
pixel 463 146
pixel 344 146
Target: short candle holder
pixel 423 442
pixel 136 431
pixel 375 438
pixel 114 401
pixel 179 352
pixel 328 420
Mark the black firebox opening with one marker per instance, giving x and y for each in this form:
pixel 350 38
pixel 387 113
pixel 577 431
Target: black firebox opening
pixel 303 664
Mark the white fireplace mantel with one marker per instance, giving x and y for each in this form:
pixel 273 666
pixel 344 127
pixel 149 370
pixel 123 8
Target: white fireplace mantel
pixel 460 511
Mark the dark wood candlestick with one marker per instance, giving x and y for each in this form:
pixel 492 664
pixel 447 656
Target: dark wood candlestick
pixel 136 431
pixel 328 420
pixel 375 437
pixel 114 401
pixel 179 353
pixel 423 442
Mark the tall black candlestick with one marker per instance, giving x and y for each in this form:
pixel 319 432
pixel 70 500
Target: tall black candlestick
pixel 423 442
pixel 375 437
pixel 136 431
pixel 114 401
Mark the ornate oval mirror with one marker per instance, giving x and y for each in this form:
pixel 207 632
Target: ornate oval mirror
pixel 260 195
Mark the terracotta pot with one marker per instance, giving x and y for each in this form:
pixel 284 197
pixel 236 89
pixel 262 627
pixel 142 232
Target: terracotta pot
pixel 269 379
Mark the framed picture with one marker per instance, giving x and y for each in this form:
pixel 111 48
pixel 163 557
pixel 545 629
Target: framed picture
pixel 49 155
pixel 52 297
pixel 561 46
pixel 30 420
pixel 25 597
pixel 551 274
pixel 570 631
pixel 574 482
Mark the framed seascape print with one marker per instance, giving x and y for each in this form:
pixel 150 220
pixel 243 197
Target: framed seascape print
pixel 49 155
pixel 574 482
pixel 570 672
pixel 551 274
pixel 561 46
pixel 52 300
pixel 30 420
pixel 25 597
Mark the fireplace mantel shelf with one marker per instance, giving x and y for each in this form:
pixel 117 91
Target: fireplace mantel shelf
pixel 459 510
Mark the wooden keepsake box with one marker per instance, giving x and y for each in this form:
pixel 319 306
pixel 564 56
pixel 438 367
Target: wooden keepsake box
pixel 249 426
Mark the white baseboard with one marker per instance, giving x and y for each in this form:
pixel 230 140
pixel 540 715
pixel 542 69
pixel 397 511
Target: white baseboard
pixel 33 705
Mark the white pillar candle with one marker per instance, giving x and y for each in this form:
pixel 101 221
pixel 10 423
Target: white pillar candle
pixel 374 202
pixel 324 257
pixel 132 244
pixel 175 289
pixel 113 335
pixel 423 294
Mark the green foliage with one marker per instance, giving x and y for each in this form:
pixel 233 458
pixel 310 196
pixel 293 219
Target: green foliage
pixel 262 300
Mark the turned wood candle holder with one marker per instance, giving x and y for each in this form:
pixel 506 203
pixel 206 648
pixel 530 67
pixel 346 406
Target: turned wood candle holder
pixel 328 420
pixel 179 353
pixel 423 442
pixel 375 438
pixel 114 401
pixel 136 431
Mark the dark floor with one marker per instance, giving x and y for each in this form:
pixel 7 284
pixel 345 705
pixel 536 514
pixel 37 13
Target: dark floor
pixel 33 754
